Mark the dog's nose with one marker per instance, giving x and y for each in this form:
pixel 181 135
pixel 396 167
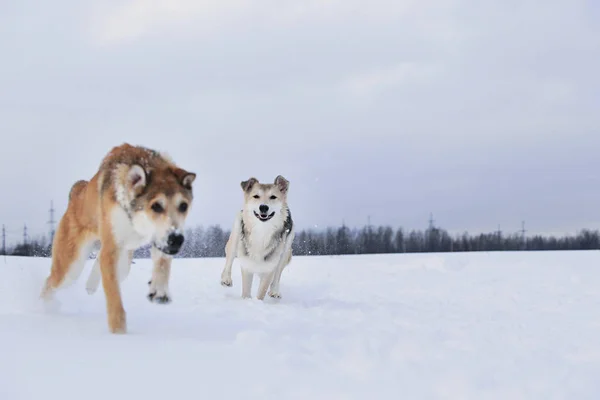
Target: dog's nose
pixel 263 208
pixel 174 241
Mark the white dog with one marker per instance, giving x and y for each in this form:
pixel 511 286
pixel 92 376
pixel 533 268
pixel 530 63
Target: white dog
pixel 261 237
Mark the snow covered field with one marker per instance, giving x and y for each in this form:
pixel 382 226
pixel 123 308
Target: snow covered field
pixel 436 326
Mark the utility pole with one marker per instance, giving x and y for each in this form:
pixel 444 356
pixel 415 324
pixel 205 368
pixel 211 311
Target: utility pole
pixel 25 234
pixel 429 245
pixel 51 222
pixel 523 235
pixel 3 240
pixel 499 238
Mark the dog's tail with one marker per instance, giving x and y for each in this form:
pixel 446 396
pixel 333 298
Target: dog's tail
pixel 77 188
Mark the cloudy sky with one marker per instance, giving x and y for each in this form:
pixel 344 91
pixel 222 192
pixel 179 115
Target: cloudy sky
pixel 482 112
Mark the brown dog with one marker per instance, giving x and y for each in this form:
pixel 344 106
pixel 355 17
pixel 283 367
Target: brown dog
pixel 137 197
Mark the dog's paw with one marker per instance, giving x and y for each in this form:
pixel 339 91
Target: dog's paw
pixel 117 323
pixel 162 298
pixel 227 282
pixel 90 290
pixel 275 295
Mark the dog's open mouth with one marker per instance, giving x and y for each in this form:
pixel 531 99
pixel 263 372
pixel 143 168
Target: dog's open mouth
pixel 264 217
pixel 166 250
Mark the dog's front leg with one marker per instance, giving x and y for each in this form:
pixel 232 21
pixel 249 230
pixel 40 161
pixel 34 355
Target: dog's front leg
pixel 265 280
pixel 230 253
pixel 285 258
pixel 159 284
pixel 247 278
pixel 110 258
pixel 229 257
pixel 274 290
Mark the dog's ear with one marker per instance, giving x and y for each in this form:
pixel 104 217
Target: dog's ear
pixel 247 185
pixel 282 183
pixel 188 179
pixel 185 178
pixel 137 178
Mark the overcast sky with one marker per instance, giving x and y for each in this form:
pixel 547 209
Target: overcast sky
pixel 484 113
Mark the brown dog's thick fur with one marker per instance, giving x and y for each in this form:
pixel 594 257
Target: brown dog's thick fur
pixel 137 197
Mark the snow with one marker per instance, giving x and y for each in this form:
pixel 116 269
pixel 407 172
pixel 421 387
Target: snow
pixel 430 326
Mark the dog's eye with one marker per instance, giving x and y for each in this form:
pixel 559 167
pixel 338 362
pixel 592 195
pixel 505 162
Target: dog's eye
pixel 183 207
pixel 273 197
pixel 256 196
pixel 157 208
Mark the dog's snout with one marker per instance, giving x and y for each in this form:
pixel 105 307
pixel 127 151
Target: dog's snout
pixel 263 208
pixel 175 240
pixel 172 244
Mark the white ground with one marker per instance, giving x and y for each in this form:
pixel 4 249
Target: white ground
pixel 452 326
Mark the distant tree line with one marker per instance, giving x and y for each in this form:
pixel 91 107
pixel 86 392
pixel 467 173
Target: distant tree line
pixel 34 247
pixel 384 239
pixel 210 242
